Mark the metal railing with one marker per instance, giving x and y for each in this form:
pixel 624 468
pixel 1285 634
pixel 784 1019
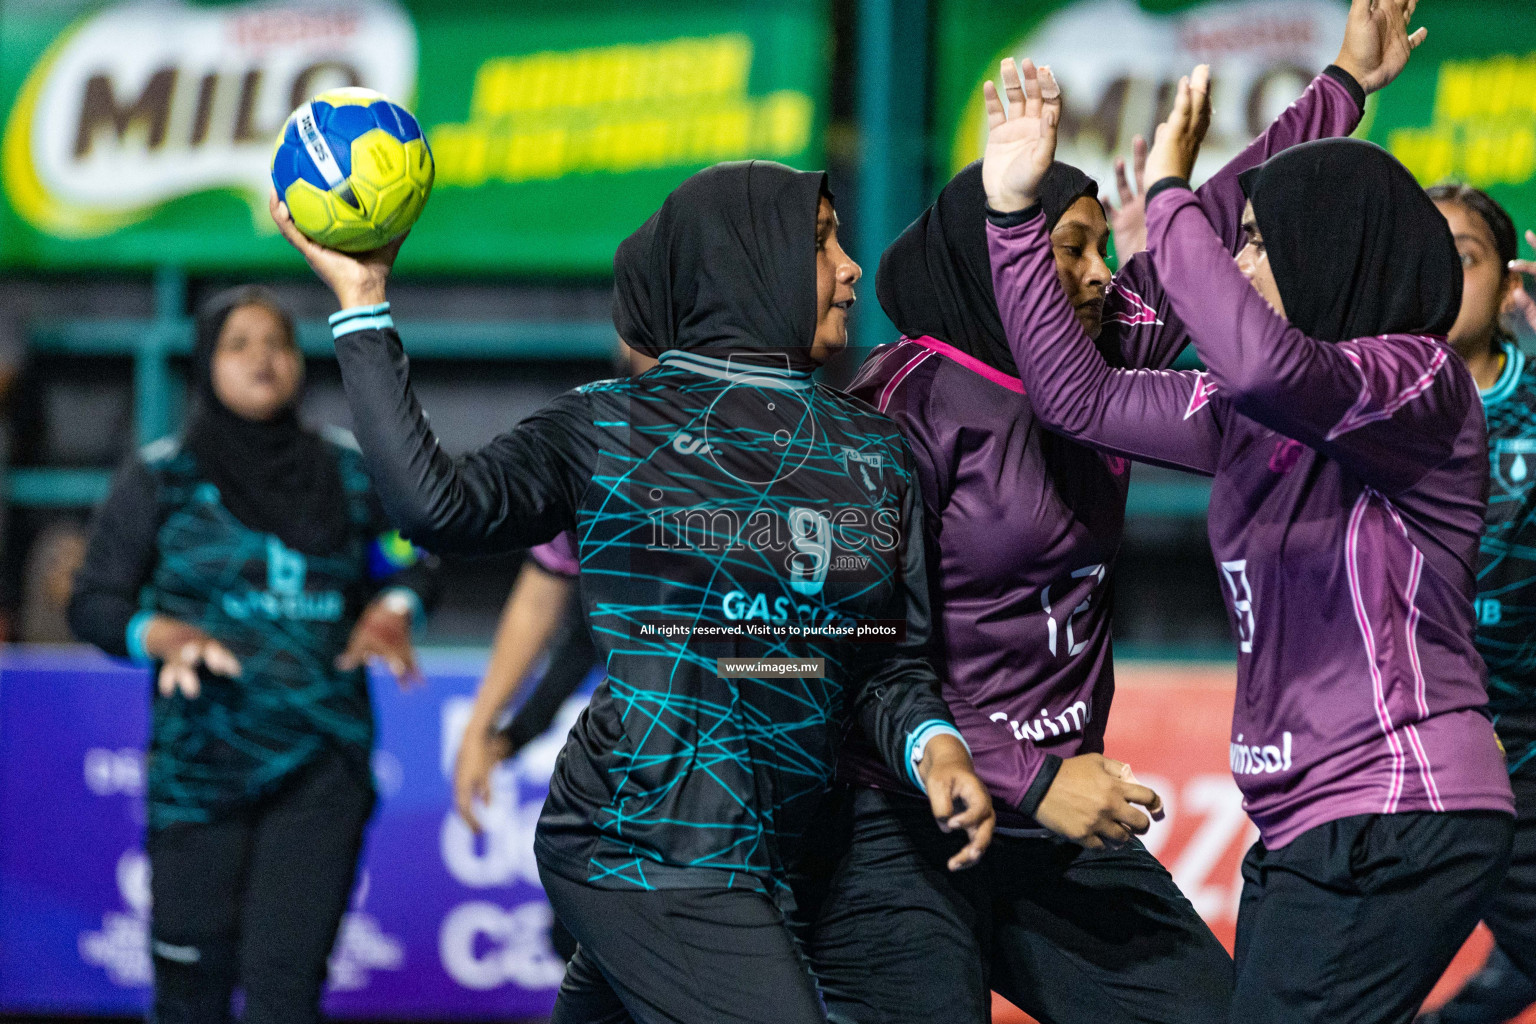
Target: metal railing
pixel 152 343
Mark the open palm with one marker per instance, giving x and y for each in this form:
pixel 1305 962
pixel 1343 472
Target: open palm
pixel 1377 42
pixel 1021 140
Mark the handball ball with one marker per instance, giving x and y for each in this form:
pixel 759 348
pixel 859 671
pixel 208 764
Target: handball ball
pixel 353 168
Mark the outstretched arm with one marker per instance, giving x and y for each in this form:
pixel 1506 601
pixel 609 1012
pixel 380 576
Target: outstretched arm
pixel 1330 107
pixel 1375 50
pixel 1388 408
pixel 1158 416
pixel 521 489
pixel 533 612
pixel 1376 47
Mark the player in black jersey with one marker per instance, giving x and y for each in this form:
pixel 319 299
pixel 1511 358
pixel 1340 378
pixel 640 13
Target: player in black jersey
pixel 727 509
pixel 249 561
pixel 1506 580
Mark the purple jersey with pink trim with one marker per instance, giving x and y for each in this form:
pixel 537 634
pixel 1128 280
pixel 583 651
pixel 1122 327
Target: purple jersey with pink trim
pixel 1024 525
pixel 1022 529
pixel 1346 507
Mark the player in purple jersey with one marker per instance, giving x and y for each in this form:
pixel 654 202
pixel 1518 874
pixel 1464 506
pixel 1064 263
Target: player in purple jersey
pixel 1506 581
pixel 1067 933
pixel 1346 446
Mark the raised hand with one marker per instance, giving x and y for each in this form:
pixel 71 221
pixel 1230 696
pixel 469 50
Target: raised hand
pixel 1128 221
pixel 1376 41
pixel 1176 143
pixel 1520 300
pixel 356 279
pixel 1021 140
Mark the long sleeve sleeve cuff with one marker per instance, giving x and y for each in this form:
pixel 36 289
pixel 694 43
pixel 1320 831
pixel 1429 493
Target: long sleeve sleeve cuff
pixel 1037 789
pixel 361 318
pixel 917 745
pixel 1017 217
pixel 407 600
pixel 1347 80
pixel 1164 184
pixel 138 627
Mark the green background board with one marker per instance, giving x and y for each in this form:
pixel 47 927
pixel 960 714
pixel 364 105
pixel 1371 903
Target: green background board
pixel 565 225
pixel 1465 106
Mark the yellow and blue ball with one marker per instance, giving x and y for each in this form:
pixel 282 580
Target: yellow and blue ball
pixel 354 169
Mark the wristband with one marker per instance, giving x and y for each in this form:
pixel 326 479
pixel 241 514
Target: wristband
pixel 1017 217
pixel 404 601
pixel 1042 784
pixel 361 318
pixel 917 745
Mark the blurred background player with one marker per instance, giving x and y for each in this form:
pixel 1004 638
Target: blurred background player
pixel 679 800
pixel 1506 581
pixel 242 560
pixel 1373 804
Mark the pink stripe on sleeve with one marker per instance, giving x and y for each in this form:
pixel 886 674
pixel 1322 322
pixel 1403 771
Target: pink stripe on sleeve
pixel 1362 617
pixel 901 375
pixel 971 363
pixel 1361 414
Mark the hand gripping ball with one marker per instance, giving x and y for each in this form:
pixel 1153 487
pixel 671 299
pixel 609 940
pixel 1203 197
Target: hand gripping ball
pixel 353 168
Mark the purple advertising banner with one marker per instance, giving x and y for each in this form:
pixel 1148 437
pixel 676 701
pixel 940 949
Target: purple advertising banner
pixel 443 924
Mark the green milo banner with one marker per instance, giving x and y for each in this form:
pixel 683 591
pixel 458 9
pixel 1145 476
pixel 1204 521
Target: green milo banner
pixel 1464 108
pixel 140 133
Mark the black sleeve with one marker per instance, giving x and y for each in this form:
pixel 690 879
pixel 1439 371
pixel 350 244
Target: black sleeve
pixel 424 579
pixel 1347 80
pixel 1042 784
pixel 118 561
pixel 520 490
pixel 897 699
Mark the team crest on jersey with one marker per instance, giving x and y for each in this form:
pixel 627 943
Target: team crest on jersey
pixel 865 468
pixel 1514 463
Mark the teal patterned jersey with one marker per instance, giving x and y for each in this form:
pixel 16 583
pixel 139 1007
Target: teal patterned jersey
pixel 1506 579
pixel 165 543
pixel 721 510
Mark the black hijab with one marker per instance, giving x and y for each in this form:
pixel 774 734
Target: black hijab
pixel 275 476
pixel 1357 247
pixel 726 267
pixel 936 278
